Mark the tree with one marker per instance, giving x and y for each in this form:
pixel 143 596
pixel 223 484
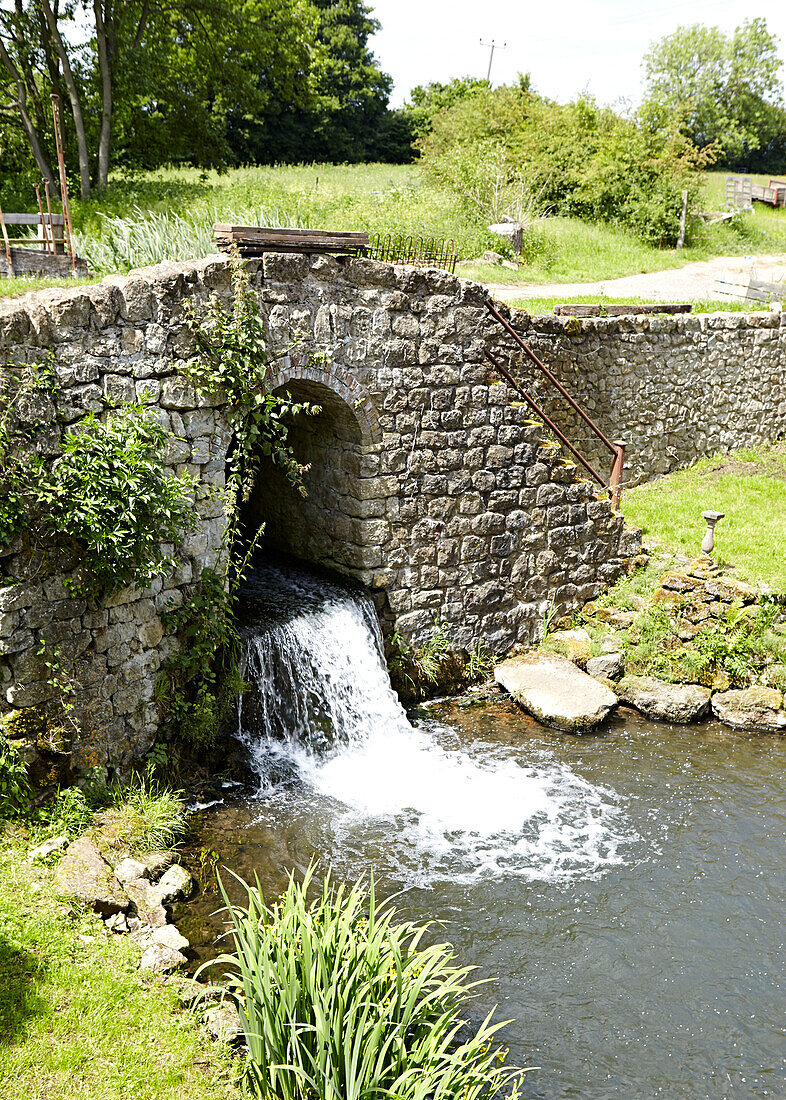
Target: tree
pixel 719 90
pixel 426 100
pixel 342 113
pixel 152 82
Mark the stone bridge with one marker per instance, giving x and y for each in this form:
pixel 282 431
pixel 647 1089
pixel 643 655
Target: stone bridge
pixel 428 483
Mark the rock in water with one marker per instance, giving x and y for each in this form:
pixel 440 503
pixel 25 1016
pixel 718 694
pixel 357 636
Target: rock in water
pixel 83 874
pixel 664 702
pixel 554 691
pixel 753 708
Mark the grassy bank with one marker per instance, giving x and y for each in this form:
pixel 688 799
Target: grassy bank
pixel 749 486
pixel 77 1019
pixel 540 306
pixel 168 214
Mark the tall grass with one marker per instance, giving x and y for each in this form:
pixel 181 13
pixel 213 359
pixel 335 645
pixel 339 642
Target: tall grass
pixel 142 239
pixel 167 215
pixel 339 1001
pixel 144 816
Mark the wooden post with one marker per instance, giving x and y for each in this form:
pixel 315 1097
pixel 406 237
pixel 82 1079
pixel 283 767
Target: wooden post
pixel 49 215
pixel 683 220
pixel 43 235
pixel 617 467
pixel 9 261
pixel 57 119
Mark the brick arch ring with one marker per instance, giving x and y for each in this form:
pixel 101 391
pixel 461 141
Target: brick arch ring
pixel 342 383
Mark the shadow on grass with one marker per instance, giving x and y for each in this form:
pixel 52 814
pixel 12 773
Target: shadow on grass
pixel 18 997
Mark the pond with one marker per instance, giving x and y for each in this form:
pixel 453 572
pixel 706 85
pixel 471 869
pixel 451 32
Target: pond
pixel 624 891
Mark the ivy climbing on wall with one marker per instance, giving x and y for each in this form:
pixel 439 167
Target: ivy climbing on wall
pixel 199 684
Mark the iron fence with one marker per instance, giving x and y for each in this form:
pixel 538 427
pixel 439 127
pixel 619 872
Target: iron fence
pixel 399 248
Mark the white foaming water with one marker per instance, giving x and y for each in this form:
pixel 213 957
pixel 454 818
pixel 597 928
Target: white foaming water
pixel 325 729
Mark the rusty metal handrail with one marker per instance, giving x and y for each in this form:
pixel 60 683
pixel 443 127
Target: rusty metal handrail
pixel 549 422
pixel 617 448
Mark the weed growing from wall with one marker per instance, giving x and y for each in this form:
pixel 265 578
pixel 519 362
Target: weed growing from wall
pixel 23 391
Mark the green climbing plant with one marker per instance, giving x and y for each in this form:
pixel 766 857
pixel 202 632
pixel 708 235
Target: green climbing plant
pixel 234 360
pixel 23 390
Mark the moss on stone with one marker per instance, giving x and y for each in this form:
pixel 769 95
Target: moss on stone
pixel 26 724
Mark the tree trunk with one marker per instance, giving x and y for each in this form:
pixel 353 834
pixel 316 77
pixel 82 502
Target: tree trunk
pixel 27 122
pixel 105 38
pixel 73 95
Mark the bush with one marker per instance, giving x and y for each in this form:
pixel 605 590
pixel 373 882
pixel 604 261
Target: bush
pixel 576 160
pixel 337 999
pixel 110 490
pixel 742 647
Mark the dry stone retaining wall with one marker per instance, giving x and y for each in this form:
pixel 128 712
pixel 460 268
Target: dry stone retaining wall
pixel 673 387
pixel 426 483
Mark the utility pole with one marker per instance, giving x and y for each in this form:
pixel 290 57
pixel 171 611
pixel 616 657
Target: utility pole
pixel 492 45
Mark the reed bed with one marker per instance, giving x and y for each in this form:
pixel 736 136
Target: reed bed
pixel 339 1001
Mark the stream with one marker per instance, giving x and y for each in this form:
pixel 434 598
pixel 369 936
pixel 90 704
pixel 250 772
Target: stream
pixel 623 891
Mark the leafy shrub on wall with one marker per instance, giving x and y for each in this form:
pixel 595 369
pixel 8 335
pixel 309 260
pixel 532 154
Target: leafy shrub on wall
pixel 108 490
pixel 111 491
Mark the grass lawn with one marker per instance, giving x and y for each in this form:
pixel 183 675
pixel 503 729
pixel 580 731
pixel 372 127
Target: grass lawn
pixel 77 1019
pixel 749 486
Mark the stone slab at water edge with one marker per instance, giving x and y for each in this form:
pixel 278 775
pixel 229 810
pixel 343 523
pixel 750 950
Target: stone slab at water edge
pixel 662 701
pixel 553 690
pixel 753 708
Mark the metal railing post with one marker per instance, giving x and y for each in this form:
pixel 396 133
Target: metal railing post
pixel 617 467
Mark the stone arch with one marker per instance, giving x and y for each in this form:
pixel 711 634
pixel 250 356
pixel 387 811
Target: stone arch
pixel 332 377
pixel 334 524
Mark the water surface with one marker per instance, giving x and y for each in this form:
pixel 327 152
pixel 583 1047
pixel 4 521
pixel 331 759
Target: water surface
pixel 624 890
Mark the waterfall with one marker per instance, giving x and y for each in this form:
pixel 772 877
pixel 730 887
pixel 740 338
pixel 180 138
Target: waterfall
pixel 324 728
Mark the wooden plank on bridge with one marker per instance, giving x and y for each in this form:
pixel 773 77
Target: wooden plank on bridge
pixel 253 240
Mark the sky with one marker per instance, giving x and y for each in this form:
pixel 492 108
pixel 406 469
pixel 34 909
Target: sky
pixel 568 46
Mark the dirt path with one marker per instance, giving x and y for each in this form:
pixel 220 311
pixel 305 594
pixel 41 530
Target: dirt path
pixel 694 282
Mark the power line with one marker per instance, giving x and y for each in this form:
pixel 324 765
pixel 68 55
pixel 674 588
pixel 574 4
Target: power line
pixel 492 45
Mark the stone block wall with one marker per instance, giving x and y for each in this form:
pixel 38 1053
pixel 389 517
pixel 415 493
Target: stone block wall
pixel 428 484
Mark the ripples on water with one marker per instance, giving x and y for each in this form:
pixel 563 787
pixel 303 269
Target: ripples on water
pixel 625 890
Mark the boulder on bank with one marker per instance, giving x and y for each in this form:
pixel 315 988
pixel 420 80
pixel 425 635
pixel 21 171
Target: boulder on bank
pixel 609 666
pixel 83 874
pixel 753 708
pixel 576 645
pixel 554 691
pixel 662 701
